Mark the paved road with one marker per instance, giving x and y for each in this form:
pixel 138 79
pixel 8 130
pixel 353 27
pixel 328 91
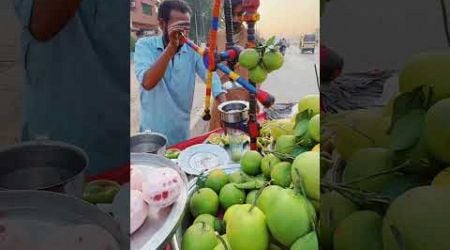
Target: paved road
pixel 295 79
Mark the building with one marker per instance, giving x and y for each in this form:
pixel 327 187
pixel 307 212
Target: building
pixel 144 16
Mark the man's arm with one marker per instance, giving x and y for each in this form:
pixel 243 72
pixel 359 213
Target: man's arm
pixel 48 17
pixel 154 74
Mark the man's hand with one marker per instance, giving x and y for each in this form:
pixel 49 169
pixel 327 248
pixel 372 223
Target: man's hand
pixel 49 17
pixel 175 30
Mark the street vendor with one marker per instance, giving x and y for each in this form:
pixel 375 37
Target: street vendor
pixel 165 70
pixel 75 54
pixel 234 90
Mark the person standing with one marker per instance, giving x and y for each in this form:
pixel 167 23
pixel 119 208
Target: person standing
pixel 165 69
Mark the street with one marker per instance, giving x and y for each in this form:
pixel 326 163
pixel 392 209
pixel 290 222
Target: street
pixel 295 79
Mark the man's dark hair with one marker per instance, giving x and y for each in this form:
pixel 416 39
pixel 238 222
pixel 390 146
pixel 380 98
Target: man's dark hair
pixel 167 6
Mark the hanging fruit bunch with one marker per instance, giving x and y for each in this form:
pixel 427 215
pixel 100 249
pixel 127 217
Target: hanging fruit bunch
pixel 262 60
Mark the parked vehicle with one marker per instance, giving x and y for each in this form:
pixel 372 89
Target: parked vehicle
pixel 308 43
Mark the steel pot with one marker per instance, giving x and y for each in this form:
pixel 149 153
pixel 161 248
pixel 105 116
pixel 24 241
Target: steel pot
pixel 234 111
pixel 43 165
pixel 42 213
pixel 148 142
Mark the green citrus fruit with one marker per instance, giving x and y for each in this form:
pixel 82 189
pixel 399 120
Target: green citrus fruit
pixel 308 241
pixel 367 162
pixel 210 220
pixel 249 58
pixel 437 134
pixel 334 208
pixel 267 164
pixel 247 227
pixel 442 179
pixel 309 102
pixel 419 219
pixel 273 60
pixel 430 69
pixel 267 197
pixel 306 171
pixel 238 177
pixel 289 217
pixel 251 196
pixel 204 201
pixel 281 174
pixel 251 162
pixel 257 74
pixel 285 144
pixel 230 195
pixel 360 230
pixel 216 179
pixel 220 246
pixel 199 236
pixel 314 127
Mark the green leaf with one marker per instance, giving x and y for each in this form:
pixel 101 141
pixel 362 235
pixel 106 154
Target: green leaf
pixel 302 122
pixel 407 130
pixel 298 150
pixel 407 101
pixel 271 41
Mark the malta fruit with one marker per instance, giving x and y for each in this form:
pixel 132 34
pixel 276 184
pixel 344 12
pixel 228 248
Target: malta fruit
pixel 257 74
pixel 437 134
pixel 231 195
pixel 427 68
pixel 333 209
pixel 199 236
pixel 285 144
pixel 208 219
pixel 281 174
pixel 290 217
pixel 267 164
pixel 101 191
pixel 418 219
pixel 309 102
pixel 249 58
pixel 314 127
pixel 216 179
pixel 358 129
pixel 442 179
pixel 246 227
pixel 267 197
pixel 251 162
pixel 273 60
pixel 309 242
pixel 368 162
pixel 221 246
pixel 204 201
pixel 306 171
pixel 251 197
pixel 360 230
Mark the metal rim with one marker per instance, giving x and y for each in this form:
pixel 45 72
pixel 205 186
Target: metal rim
pixel 109 224
pixel 45 142
pixel 246 106
pixel 175 218
pixel 192 171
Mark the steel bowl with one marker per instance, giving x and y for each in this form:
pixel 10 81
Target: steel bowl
pixel 157 232
pixel 43 165
pixel 234 111
pixel 148 142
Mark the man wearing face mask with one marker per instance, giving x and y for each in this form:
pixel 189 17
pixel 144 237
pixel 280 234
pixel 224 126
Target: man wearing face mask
pixel 166 69
pixel 234 90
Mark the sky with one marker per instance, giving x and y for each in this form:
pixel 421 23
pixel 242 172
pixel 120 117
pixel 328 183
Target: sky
pixel 288 18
